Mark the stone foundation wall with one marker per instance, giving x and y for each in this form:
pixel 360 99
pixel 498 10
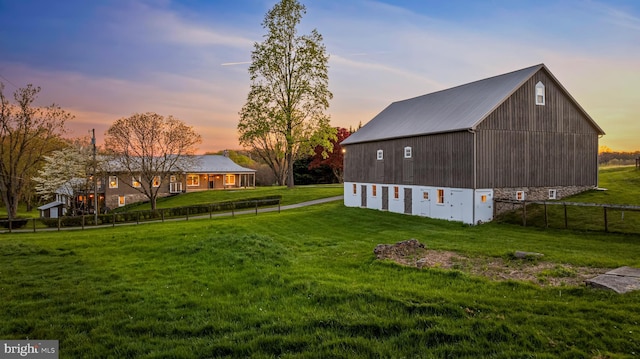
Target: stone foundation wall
pixel 532 194
pixel 538 193
pixel 112 201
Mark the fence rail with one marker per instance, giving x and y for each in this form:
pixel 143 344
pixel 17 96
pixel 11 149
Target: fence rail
pixel 159 215
pixel 575 215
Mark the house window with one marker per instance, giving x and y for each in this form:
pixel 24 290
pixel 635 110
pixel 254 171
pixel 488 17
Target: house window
pixel 396 192
pixel 156 181
pixel 173 178
pixel 193 180
pixel 121 201
pixel 380 155
pixel 230 179
pixel 113 181
pixel 374 190
pixel 552 194
pixel 520 195
pixel 440 196
pixel 135 182
pixel 354 189
pixel 407 152
pixel 483 198
pixel 540 96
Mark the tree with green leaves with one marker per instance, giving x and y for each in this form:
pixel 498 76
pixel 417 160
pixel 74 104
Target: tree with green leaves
pixel 284 113
pixel 27 134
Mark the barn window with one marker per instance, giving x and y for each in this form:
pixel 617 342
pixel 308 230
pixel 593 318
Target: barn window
pixel 483 198
pixel 540 97
pixel 380 155
pixel 396 192
pixel 520 195
pixel 552 194
pixel 354 189
pixel 374 190
pixel 425 195
pixel 407 152
pixel 440 196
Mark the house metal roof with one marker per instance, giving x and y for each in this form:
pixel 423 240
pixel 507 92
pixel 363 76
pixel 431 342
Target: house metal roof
pixel 456 109
pixel 217 164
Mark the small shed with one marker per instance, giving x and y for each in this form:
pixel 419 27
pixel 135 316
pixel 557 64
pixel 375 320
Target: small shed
pixel 53 209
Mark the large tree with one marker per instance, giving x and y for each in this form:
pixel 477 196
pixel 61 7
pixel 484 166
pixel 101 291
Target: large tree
pixel 284 113
pixel 149 147
pixel 27 133
pixel 67 171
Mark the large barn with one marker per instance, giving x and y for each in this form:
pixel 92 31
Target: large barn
pixel 450 153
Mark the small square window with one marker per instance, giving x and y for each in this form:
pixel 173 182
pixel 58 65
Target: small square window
pixel 483 198
pixel 380 155
pixel 425 195
pixel 135 182
pixel 520 195
pixel 552 194
pixel 113 181
pixel 173 178
pixel 407 152
pixel 121 201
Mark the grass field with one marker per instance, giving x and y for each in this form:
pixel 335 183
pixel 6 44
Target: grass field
pixel 305 284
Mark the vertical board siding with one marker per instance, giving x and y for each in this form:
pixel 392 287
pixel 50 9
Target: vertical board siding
pixel 522 144
pixel 437 160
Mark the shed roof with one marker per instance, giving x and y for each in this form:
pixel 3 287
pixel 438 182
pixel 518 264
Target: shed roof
pixel 455 109
pixel 50 205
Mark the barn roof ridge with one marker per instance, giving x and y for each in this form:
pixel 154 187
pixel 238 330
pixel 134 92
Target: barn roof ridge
pixel 457 108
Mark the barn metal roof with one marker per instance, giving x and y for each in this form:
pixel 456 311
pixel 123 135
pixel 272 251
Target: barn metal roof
pixel 456 109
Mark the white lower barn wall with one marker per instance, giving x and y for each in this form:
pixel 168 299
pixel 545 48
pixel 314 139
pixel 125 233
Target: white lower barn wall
pixel 457 204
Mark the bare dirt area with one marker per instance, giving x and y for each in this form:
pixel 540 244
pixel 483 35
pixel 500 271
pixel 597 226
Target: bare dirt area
pixel 529 268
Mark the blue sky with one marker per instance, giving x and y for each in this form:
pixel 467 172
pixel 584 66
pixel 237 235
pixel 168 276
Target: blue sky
pixel 107 59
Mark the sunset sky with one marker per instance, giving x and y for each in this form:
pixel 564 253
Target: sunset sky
pixel 106 59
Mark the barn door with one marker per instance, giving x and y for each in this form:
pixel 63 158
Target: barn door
pixel 363 196
pixel 457 205
pixel 385 198
pixel 408 203
pixel 425 202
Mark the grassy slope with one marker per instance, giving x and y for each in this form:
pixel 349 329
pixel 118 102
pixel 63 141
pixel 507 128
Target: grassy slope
pixel 305 283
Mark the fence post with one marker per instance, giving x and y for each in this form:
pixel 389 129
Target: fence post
pixel 210 216
pixel 606 222
pixel 114 219
pixel 278 205
pixel 58 224
pixel 256 207
pixel 34 225
pixel 187 213
pixel 162 214
pixel 137 217
pixel 566 220
pixel 233 207
pixel 83 221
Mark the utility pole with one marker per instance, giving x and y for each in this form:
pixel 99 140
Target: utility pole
pixel 95 178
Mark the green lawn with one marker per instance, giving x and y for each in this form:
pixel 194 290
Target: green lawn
pixel 304 284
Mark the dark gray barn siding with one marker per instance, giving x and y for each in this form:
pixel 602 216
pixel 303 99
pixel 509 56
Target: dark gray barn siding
pixel 437 160
pixel 522 144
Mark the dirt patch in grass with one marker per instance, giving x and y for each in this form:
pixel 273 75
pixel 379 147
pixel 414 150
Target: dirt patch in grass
pixel 414 254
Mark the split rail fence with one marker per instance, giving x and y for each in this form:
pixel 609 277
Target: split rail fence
pixel 159 215
pixel 569 215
